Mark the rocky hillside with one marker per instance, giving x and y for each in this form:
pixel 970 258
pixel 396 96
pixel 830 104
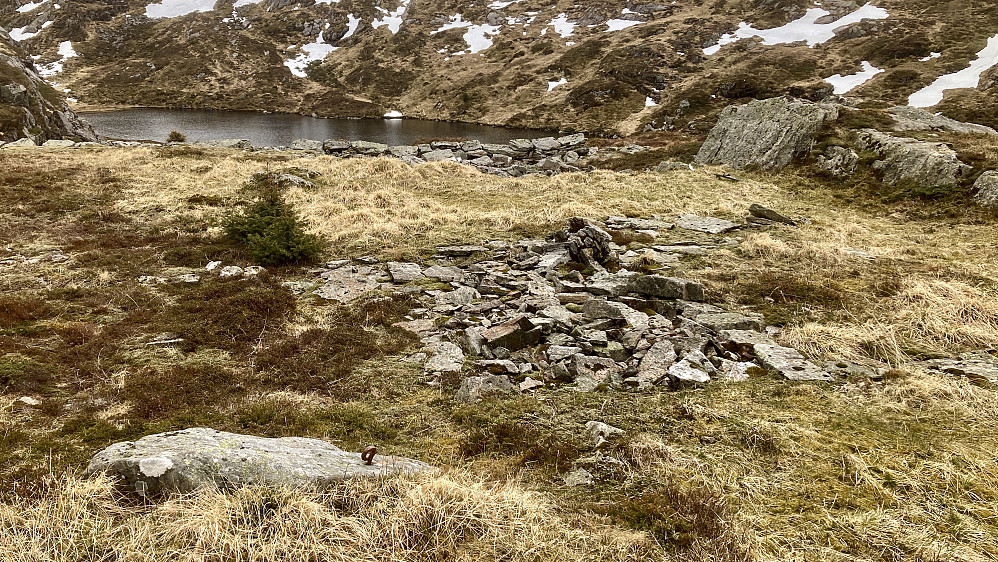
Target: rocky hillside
pixel 619 66
pixel 30 107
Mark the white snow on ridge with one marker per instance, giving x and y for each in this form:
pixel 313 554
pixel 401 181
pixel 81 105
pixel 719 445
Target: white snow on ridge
pixel 392 19
pixel 617 25
pixel 969 77
pixel 30 6
pixel 843 84
pixel 241 3
pixel 18 33
pixel 498 5
pixel 649 102
pixel 66 51
pixel 930 57
pixel 562 26
pixel 311 52
pixel 352 24
pixel 478 37
pixel 393 114
pixel 555 84
pixel 177 8
pixel 803 29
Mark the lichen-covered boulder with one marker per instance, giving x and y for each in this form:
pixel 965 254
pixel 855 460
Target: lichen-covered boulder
pixel 765 133
pixel 986 187
pixel 902 159
pixel 191 459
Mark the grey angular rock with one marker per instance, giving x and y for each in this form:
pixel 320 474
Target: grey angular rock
pixel 709 225
pixel 476 389
pixel 335 146
pixel 986 188
pixel 196 458
pixel 403 151
pixel 926 164
pixel 513 334
pixel 757 210
pixel 789 363
pixel 401 272
pixel 58 143
pixel 306 144
pixel 765 133
pixel 345 286
pixel 907 118
pixel 521 145
pixel 447 358
pixel 978 370
pixel 599 432
pixel 655 365
pixel 546 144
pixel 579 477
pixel 369 148
pixel 667 287
pixel 438 155
pixel 571 141
pixel 838 161
pixel 228 143
pixel 729 321
pixel 460 296
pixel 446 274
pixel 460 251
pixel 692 368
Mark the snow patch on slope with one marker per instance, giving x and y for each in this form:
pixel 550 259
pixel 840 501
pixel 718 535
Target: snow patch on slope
pixel 30 6
pixel 392 19
pixel 66 51
pixel 177 8
pixel 18 33
pixel 843 84
pixel 315 51
pixel 969 77
pixel 804 29
pixel 478 37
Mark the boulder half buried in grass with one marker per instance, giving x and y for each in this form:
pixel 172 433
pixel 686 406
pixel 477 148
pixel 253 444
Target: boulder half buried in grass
pixel 191 459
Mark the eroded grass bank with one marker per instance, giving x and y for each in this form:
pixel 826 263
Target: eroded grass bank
pixel 898 469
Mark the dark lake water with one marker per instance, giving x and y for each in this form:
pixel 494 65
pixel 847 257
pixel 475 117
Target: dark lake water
pixel 277 129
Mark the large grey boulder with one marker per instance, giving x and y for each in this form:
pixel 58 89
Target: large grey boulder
pixel 369 148
pixel 926 164
pixel 765 133
pixel 188 460
pixel 789 363
pixel 987 190
pixel 838 161
pixel 306 144
pixel 907 118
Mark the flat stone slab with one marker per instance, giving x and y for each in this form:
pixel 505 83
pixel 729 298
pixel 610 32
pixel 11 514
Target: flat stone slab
pixel 978 370
pixel 196 458
pixel 709 225
pixel 345 286
pixel 789 363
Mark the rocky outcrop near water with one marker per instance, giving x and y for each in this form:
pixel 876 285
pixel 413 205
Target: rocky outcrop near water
pixel 192 459
pixel 767 134
pixel 29 107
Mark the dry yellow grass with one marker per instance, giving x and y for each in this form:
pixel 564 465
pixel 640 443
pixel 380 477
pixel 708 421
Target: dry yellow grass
pixel 898 470
pixel 435 517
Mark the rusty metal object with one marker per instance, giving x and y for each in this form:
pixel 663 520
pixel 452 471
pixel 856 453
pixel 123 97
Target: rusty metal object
pixel 368 454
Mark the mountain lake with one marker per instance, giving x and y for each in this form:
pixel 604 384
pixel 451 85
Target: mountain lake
pixel 279 129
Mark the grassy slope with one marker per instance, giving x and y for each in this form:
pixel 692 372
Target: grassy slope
pixel 901 469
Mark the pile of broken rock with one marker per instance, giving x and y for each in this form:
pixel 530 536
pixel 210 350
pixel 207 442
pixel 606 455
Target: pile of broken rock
pixel 573 310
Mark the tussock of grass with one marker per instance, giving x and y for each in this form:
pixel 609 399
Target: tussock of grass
pixel 422 518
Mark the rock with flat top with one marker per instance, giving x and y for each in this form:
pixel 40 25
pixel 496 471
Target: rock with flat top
pixel 476 389
pixel 709 225
pixel 907 118
pixel 903 159
pixel 789 363
pixel 767 134
pixel 196 458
